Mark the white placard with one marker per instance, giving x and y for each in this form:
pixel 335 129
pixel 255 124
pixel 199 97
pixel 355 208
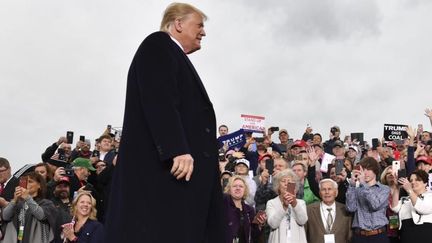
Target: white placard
pixel 326 160
pixel 253 123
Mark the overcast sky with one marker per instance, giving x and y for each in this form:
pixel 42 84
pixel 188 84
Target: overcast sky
pixel 356 64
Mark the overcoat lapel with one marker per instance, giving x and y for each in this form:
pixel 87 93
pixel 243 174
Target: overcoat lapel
pixel 197 78
pixel 192 68
pixel 316 214
pixel 338 219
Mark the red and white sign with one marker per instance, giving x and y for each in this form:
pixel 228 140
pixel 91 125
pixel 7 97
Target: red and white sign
pixel 252 123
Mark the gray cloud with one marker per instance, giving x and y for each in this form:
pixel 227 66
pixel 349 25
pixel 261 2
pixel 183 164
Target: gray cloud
pixel 358 64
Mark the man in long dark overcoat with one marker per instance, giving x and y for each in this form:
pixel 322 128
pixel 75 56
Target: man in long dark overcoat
pixel 165 186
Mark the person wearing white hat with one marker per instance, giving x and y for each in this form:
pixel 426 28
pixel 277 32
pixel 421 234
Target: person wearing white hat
pixel 353 154
pixel 242 169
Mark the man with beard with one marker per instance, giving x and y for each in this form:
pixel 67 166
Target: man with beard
pixel 62 202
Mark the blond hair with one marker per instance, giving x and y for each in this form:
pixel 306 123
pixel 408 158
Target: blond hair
pixel 178 11
pixel 93 203
pixel 235 178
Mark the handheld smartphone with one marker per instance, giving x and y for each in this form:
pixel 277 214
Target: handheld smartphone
pixel 109 128
pixel 69 172
pixel 291 187
pixel 274 129
pixel 82 138
pixel 339 164
pixel 357 167
pixel 395 166
pixel 258 215
pixel 402 174
pixel 358 136
pixel 375 143
pixel 23 182
pixel 269 166
pixel 269 150
pixel 61 153
pixel 69 137
pixel 95 153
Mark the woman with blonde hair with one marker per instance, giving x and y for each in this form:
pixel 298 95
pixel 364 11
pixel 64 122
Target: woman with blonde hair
pixel 84 227
pixel 242 224
pixel 286 215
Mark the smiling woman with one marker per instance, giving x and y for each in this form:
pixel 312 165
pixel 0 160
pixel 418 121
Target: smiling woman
pixel 84 226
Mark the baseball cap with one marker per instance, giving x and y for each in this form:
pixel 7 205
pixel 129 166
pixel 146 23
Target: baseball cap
pixel 242 161
pixel 353 148
pixel 424 159
pixel 283 131
pixel 82 162
pixel 338 143
pixel 264 157
pixel 391 144
pixel 299 143
pixel 54 160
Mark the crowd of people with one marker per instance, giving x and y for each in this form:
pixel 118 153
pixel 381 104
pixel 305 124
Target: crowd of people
pixel 377 193
pixel 61 199
pixel 281 194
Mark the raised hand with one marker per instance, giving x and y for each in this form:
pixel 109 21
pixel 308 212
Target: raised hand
pixel 428 113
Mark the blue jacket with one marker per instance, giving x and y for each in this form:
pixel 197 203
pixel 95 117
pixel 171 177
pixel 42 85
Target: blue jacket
pixel 91 232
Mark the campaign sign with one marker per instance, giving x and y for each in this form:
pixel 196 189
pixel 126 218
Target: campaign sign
pixel 252 123
pixel 235 140
pixel 395 132
pixel 326 161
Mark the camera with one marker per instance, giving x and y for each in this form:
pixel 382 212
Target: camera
pixel 62 155
pixel 69 172
pixel 274 129
pixel 95 153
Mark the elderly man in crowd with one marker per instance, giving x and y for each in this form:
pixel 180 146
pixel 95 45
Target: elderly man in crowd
pixel 78 181
pixel 328 220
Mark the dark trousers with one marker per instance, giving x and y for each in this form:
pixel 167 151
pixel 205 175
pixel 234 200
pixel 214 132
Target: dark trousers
pixel 379 238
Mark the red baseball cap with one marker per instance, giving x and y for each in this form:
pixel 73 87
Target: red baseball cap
pixel 424 159
pixel 299 143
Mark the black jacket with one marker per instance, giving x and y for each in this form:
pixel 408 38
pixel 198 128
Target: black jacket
pixel 167 113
